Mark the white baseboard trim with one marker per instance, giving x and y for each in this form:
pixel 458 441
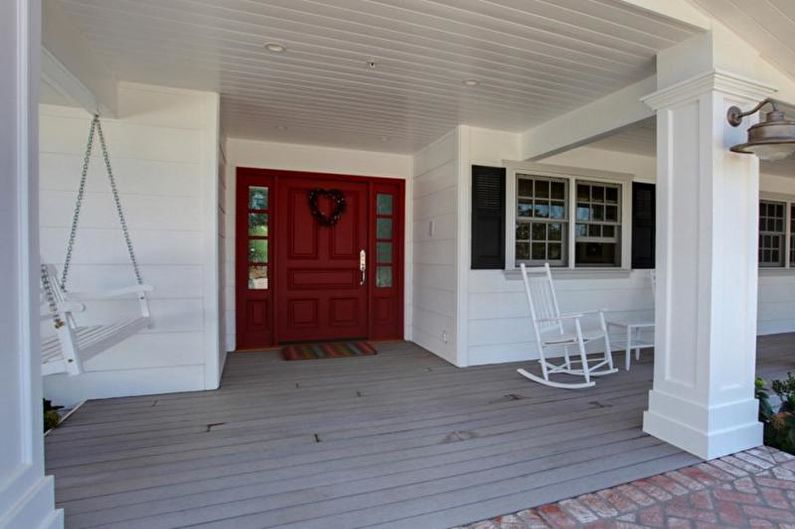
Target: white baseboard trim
pixel 34 509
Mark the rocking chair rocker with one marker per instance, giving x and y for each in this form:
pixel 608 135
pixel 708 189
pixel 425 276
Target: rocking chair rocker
pixel 556 332
pixel 71 345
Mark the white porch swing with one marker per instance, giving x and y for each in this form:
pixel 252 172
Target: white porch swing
pixel 72 345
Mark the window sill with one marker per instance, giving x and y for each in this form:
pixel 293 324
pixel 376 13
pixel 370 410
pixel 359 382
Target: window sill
pixel 775 271
pixel 576 273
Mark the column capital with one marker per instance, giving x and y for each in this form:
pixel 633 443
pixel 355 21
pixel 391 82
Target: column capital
pixel 713 80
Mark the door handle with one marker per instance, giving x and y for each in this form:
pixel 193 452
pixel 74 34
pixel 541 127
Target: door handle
pixel 363 267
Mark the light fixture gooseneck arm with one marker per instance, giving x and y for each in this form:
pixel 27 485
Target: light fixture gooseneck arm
pixel 735 114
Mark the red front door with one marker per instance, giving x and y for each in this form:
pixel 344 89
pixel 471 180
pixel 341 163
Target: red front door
pixel 299 280
pixel 323 290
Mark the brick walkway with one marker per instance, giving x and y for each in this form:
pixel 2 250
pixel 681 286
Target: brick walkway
pixel 753 489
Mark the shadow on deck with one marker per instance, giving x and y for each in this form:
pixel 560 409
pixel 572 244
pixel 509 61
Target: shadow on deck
pixel 399 440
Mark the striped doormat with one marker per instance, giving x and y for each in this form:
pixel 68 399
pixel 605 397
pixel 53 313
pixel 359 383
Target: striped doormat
pixel 312 351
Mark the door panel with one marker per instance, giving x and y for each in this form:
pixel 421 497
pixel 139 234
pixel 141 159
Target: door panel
pixel 323 296
pixel 300 281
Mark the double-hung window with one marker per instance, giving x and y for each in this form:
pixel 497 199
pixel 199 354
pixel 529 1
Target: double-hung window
pixel 541 220
pixel 567 217
pixel 777 232
pixel 598 237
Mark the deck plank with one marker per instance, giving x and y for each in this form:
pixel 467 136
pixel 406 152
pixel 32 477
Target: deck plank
pixel 398 440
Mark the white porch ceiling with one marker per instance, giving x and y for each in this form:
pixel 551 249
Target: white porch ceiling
pixel 533 58
pixel 768 25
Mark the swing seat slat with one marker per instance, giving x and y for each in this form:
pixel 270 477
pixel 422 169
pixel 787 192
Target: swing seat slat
pixel 71 345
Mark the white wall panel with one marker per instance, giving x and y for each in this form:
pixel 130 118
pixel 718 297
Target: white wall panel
pixel 147 177
pixel 435 262
pixel 158 148
pixel 106 246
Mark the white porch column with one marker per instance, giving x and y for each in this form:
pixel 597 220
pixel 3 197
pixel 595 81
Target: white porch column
pixel 26 496
pixel 707 204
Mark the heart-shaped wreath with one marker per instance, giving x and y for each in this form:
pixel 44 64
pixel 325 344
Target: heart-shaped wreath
pixel 336 197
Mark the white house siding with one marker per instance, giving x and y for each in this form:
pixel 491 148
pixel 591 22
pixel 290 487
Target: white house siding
pixel 498 328
pixel 163 150
pixel 310 158
pixel 435 263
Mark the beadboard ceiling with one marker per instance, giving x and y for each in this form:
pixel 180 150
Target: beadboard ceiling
pixel 533 59
pixel 768 25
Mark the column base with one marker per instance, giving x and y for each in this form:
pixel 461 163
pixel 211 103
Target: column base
pixel 705 432
pixel 33 509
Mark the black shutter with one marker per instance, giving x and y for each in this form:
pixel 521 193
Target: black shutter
pixel 643 225
pixel 488 217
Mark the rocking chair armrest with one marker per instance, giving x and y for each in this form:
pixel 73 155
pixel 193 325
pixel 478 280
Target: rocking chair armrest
pixel 571 316
pixel 108 294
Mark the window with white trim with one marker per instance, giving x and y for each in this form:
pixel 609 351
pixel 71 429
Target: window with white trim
pixel 777 231
pixel 598 227
pixel 541 220
pixel 772 232
pixel 567 220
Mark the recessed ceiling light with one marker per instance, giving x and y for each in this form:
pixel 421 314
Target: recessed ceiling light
pixel 281 127
pixel 471 82
pixel 384 138
pixel 275 47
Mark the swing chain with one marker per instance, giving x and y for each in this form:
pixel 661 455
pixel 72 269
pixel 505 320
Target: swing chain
pixel 117 201
pixel 78 205
pixel 50 295
pixel 96 125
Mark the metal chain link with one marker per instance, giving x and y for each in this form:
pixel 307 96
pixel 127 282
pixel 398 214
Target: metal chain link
pixel 96 125
pixel 50 296
pixel 70 244
pixel 117 201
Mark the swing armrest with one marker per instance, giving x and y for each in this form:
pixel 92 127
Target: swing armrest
pixel 109 294
pixel 70 306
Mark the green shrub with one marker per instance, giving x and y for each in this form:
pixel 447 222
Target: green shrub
pixel 779 425
pixel 51 415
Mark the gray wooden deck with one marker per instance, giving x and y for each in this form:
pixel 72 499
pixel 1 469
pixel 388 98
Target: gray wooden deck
pixel 399 440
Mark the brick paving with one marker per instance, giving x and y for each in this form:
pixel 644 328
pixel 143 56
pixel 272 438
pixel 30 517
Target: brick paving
pixel 753 489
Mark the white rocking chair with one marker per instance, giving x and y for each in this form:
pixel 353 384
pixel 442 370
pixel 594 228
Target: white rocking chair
pixel 551 333
pixel 72 345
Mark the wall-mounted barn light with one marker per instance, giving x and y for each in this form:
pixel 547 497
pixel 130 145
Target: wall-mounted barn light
pixel 771 139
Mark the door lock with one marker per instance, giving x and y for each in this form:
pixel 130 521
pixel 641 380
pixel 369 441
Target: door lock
pixel 363 267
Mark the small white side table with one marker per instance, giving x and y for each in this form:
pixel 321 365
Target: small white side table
pixel 635 340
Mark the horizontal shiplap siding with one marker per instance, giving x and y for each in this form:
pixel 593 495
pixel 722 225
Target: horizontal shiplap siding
pixel 156 148
pixel 435 187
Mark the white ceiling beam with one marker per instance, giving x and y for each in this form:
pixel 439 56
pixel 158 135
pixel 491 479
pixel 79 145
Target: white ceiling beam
pixel 69 65
pixel 679 10
pixel 589 122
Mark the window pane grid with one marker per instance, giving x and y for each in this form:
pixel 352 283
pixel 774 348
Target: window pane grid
pixel 384 237
pixel 598 227
pixel 258 234
pixel 772 218
pixel 792 234
pixel 541 223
